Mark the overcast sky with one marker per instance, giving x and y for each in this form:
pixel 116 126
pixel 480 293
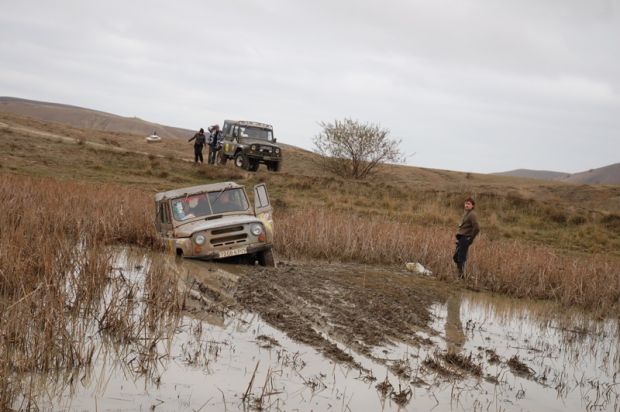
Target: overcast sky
pixel 470 85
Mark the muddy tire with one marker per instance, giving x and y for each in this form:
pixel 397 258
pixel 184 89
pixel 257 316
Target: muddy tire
pixel 241 160
pixel 252 165
pixel 273 166
pixel 223 159
pixel 266 258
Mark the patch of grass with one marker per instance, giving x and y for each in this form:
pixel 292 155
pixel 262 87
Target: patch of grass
pixel 463 362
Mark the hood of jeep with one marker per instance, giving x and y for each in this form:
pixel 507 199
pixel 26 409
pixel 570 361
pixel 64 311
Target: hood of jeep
pixel 198 225
pixel 249 141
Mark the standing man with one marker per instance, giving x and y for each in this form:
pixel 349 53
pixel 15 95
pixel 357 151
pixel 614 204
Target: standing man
pixel 214 142
pixel 465 235
pixel 200 141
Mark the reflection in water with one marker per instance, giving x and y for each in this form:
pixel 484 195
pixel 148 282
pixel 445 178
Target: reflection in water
pixel 542 356
pixel 453 328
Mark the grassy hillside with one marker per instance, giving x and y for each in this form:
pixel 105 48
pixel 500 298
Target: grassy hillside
pixel 602 175
pixel 580 219
pixel 87 118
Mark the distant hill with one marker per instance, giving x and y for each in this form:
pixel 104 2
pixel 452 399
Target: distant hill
pixel 534 174
pixel 87 118
pixel 607 175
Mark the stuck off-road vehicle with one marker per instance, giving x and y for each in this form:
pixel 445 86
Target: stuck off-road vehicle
pixel 249 144
pixel 216 221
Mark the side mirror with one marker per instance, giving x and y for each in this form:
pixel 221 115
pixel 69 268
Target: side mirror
pixel 274 139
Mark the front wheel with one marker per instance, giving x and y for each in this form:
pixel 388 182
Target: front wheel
pixel 266 258
pixel 273 166
pixel 241 160
pixel 223 159
pixel 252 165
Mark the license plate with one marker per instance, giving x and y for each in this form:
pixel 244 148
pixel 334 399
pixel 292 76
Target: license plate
pixel 233 252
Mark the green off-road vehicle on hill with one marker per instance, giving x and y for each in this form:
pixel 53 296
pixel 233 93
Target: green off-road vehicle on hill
pixel 250 144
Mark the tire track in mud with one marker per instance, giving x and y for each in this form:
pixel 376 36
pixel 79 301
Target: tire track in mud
pixel 358 306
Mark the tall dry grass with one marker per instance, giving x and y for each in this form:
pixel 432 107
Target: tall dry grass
pixel 57 288
pixel 508 266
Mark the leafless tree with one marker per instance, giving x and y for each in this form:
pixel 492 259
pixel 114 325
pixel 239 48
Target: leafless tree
pixel 349 148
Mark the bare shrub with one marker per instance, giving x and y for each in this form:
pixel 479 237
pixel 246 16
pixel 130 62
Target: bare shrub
pixel 349 148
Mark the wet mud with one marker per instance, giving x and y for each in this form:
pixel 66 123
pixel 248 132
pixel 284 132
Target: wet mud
pixel 359 306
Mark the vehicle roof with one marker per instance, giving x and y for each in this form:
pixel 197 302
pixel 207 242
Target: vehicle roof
pixel 250 123
pixel 187 191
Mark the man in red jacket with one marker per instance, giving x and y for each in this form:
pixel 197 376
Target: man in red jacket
pixel 465 235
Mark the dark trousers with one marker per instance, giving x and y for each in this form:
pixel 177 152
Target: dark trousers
pixel 212 155
pixel 460 254
pixel 198 153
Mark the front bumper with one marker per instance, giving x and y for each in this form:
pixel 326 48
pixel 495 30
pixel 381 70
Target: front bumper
pixel 263 159
pixel 190 250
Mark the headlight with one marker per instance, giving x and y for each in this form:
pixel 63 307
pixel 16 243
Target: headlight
pixel 256 229
pixel 253 147
pixel 277 151
pixel 199 240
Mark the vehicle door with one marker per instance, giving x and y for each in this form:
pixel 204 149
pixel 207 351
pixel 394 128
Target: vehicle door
pixel 229 144
pixel 263 209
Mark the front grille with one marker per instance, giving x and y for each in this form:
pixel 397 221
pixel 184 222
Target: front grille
pixel 268 151
pixel 227 236
pixel 230 240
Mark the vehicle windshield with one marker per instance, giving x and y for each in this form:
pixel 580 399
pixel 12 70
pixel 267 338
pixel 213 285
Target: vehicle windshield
pixel 253 132
pixel 207 204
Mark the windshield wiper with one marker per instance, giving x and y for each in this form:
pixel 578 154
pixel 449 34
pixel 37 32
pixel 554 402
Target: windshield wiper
pixel 220 193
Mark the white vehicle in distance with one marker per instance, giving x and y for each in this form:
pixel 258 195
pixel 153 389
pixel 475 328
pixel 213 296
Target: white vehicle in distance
pixel 215 221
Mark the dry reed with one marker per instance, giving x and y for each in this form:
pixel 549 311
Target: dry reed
pixel 508 266
pixel 56 281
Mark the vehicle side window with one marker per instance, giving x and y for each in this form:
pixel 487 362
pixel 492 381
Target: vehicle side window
pixel 261 197
pixel 164 215
pixel 167 213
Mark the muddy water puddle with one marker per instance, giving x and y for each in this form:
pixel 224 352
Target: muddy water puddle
pixel 535 357
pixel 477 352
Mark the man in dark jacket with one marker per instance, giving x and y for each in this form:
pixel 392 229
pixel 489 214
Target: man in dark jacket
pixel 199 141
pixel 465 235
pixel 214 142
